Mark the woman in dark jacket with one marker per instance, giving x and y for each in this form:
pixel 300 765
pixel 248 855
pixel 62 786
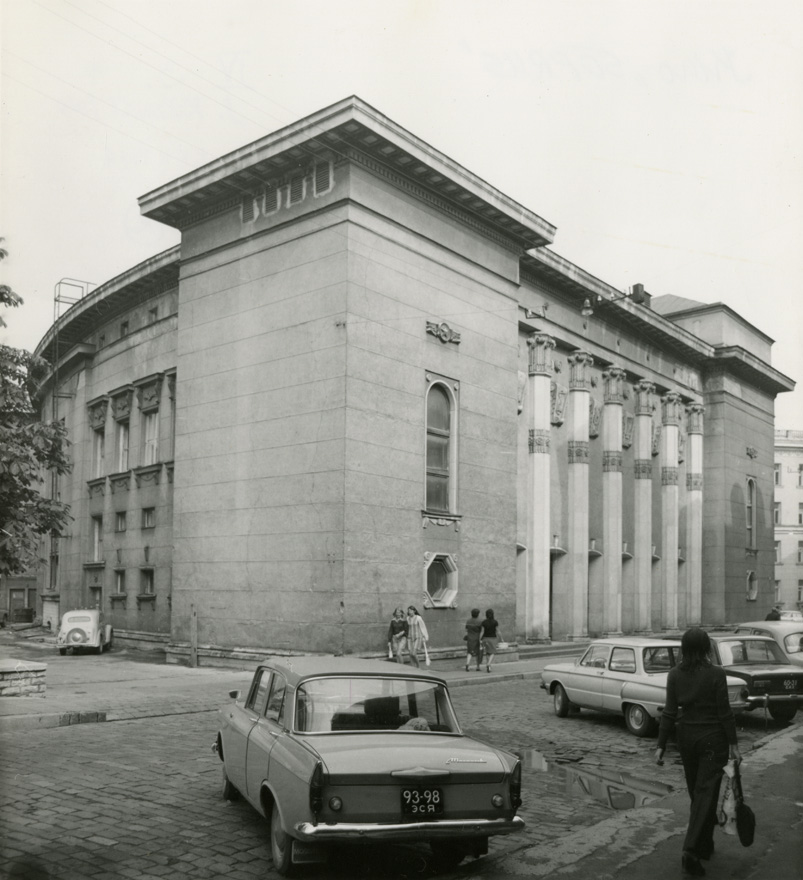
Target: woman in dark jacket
pixel 697 705
pixel 473 631
pixel 490 638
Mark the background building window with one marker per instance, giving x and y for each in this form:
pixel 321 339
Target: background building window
pixel 120 521
pixel 800 514
pixel 150 437
pixel 777 474
pixel 97 539
pixel 146 581
pixel 800 591
pixel 98 452
pixel 800 551
pixel 777 591
pixel 440 580
pixel 441 459
pixel 119 581
pixel 752 586
pixel 777 552
pixel 122 446
pixel 148 517
pixel 750 513
pixel 776 513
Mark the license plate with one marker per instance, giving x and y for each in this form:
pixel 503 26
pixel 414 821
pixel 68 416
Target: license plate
pixel 422 802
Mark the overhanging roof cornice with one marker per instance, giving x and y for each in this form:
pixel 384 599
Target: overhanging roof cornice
pixel 349 125
pixel 739 362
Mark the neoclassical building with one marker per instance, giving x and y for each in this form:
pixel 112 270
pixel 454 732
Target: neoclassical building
pixel 365 379
pixel 788 518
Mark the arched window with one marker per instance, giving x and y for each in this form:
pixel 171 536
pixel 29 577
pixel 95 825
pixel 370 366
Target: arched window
pixel 440 450
pixel 750 513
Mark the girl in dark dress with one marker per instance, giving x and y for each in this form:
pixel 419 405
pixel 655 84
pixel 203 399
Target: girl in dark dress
pixel 697 705
pixel 490 638
pixel 473 632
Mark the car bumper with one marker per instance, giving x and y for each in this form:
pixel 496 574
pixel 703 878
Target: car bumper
pixel 438 830
pixel 769 699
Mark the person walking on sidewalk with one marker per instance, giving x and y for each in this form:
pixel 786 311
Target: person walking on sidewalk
pixel 472 637
pixel 397 636
pixel 417 635
pixel 697 707
pixel 490 638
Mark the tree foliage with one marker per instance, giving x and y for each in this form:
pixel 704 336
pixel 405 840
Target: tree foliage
pixel 30 449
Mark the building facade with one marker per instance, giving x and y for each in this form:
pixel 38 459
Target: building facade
pixel 364 379
pixel 788 518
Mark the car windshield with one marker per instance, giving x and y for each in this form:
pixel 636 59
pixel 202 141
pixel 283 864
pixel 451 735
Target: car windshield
pixel 354 704
pixel 793 643
pixel 738 651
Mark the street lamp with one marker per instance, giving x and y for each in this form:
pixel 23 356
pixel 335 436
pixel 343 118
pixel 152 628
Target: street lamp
pixel 637 294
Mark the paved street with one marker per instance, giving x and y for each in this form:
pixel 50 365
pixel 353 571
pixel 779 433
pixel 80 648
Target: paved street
pixel 140 797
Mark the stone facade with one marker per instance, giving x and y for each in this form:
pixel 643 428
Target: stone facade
pixel 788 518
pixel 362 381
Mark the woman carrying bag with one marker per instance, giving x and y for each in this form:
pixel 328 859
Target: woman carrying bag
pixel 417 636
pixel 697 705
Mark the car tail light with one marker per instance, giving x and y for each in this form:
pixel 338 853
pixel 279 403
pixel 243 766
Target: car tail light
pixel 316 785
pixel 515 786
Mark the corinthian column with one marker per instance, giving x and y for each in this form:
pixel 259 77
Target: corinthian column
pixel 537 610
pixel 670 420
pixel 613 382
pixel 642 506
pixel 694 519
pixel 579 398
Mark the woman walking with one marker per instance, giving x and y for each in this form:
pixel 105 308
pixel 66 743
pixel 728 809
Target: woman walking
pixel 697 706
pixel 490 638
pixel 397 635
pixel 417 635
pixel 473 633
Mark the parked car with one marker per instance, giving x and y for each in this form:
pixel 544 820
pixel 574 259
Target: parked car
pixel 84 629
pixel 791 615
pixel 349 751
pixel 787 633
pixel 770 680
pixel 623 675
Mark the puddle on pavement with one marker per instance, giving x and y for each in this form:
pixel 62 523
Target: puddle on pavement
pixel 612 787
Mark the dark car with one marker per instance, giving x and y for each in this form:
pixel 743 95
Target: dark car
pixel 770 680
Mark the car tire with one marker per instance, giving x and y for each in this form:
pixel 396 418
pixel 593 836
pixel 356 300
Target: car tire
pixel 638 720
pixel 783 713
pixel 447 856
pixel 281 845
pixel 561 701
pixel 230 793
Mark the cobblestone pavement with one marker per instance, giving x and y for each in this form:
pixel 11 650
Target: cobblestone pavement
pixel 142 798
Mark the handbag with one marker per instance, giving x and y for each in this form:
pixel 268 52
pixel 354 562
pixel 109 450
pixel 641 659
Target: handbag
pixel 745 817
pixel 426 654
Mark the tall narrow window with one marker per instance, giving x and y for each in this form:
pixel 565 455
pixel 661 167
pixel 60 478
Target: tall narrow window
pixel 119 581
pixel 800 514
pixel 98 452
pixel 776 513
pixel 439 441
pixel 777 552
pixel 800 551
pixel 777 473
pixel 150 437
pixel 97 539
pixel 122 446
pixel 750 513
pixel 800 475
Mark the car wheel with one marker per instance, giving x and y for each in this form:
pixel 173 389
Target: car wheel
pixel 281 844
pixel 638 720
pixel 230 793
pixel 99 649
pixel 446 856
pixel 783 712
pixel 561 701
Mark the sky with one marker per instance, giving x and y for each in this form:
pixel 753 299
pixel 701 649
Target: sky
pixel 661 138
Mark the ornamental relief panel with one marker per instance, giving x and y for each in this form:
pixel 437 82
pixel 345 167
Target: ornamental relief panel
pixel 594 417
pixel 656 439
pixel 611 461
pixel 539 440
pixel 149 394
pixel 628 426
pixel 97 414
pixel 669 476
pixel 694 482
pixel 578 452
pixel 559 395
pixel 642 469
pixel 121 405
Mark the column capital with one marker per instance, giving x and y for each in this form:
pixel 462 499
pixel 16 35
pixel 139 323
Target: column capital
pixel 695 413
pixel 541 346
pixel 671 407
pixel 644 392
pixel 580 362
pixel 613 380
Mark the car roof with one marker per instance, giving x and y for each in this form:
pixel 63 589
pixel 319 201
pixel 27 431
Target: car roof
pixel 636 642
pixel 784 626
pixel 729 636
pixel 298 669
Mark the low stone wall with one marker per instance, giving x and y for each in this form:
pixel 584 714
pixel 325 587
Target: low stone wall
pixel 19 678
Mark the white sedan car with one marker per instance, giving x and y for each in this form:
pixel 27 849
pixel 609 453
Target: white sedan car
pixel 625 676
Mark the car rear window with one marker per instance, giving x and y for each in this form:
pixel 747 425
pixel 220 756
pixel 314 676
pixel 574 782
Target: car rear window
pixel 350 705
pixel 793 643
pixel 78 618
pixel 735 651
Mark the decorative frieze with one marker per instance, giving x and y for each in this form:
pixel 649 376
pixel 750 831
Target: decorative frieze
pixel 628 426
pixel 611 461
pixel 580 363
pixel 578 452
pixel 539 440
pixel 97 414
pixel 559 395
pixel 443 332
pixel 642 469
pixel 694 482
pixel 669 476
pixel 541 346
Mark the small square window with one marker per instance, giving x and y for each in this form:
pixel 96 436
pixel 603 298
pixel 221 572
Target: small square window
pixel 123 329
pixel 120 521
pixel 153 315
pixel 148 517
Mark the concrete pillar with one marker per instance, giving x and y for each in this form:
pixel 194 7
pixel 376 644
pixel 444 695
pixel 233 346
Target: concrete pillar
pixel 670 420
pixel 580 364
pixel 537 599
pixel 613 387
pixel 694 518
pixel 642 505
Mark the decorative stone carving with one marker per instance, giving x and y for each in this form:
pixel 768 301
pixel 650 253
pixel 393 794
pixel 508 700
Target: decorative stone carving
pixel 671 408
pixel 695 413
pixel 752 452
pixel 149 394
pixel 681 447
pixel 443 332
pixel 539 440
pixel 613 380
pixel 120 482
pixel 439 521
pixel 611 461
pixel 656 439
pixel 559 395
pixel 580 363
pixel 148 475
pixel 644 391
pixel 522 385
pixel 628 427
pixel 578 452
pixel 694 482
pixel 642 469
pixel 121 405
pixel 97 487
pixel 594 417
pixel 669 476
pixel 541 346
pixel 97 414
